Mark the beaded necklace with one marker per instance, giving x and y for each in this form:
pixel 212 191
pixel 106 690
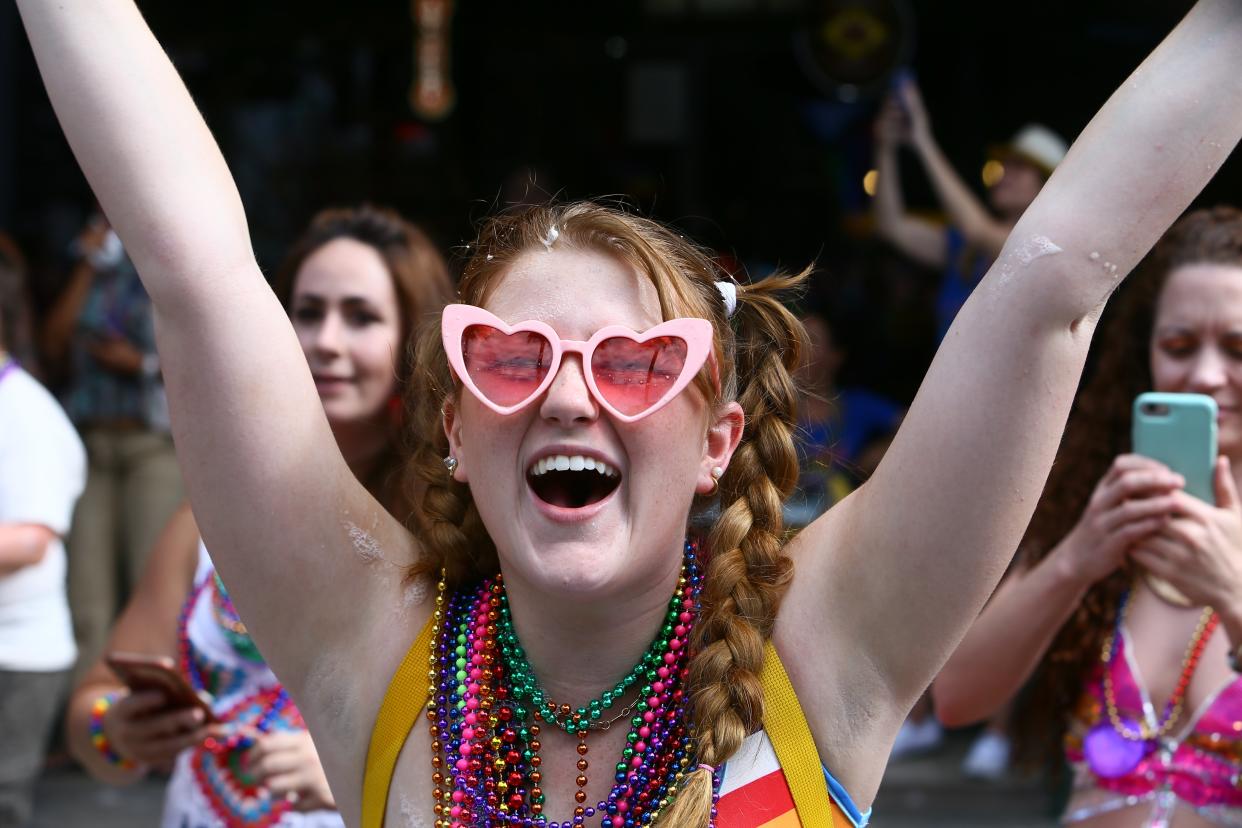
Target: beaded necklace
pixel 487 708
pixel 1114 748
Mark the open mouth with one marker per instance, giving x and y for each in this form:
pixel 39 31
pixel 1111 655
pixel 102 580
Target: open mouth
pixel 572 481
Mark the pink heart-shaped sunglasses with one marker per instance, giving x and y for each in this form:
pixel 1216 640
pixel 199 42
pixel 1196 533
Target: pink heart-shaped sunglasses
pixel 630 374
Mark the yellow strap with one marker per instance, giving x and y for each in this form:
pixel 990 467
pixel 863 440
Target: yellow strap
pixel 403 703
pixel 791 738
pixel 783 720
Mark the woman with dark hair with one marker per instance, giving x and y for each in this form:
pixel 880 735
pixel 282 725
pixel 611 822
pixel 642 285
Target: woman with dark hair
pixel 356 284
pixel 366 240
pixel 1126 675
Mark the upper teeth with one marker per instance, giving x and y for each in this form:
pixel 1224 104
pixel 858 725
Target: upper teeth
pixel 572 462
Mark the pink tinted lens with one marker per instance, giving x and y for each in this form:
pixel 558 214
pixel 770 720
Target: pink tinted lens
pixel 634 376
pixel 506 368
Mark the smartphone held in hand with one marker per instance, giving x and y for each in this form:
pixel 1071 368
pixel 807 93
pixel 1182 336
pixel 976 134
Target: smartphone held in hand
pixel 142 672
pixel 1179 430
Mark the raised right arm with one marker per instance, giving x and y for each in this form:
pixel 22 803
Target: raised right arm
pixel 274 499
pixel 965 210
pixel 918 238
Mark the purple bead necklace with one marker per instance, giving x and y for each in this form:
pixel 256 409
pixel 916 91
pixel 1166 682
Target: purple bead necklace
pixel 486 763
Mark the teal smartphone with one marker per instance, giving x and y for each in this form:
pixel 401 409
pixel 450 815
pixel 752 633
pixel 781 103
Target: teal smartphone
pixel 1179 430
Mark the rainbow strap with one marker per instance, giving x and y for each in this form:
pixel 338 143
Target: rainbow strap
pixel 100 739
pixel 784 722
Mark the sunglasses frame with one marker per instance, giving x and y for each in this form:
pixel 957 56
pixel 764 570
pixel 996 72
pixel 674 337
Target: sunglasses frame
pixel 696 333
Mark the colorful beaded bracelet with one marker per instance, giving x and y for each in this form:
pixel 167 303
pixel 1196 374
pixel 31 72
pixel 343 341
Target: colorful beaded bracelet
pixel 100 740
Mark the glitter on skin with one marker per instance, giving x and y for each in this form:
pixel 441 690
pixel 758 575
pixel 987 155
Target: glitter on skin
pixel 410 813
pixel 364 544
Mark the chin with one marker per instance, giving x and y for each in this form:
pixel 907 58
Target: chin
pixel 582 567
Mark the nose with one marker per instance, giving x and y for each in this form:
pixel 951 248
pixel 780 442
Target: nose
pixel 1208 373
pixel 568 399
pixel 327 335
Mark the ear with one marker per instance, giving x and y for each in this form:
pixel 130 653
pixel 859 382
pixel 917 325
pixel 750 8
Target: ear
pixel 452 430
pixel 724 434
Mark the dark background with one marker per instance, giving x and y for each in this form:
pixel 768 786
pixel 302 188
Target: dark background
pixel 708 113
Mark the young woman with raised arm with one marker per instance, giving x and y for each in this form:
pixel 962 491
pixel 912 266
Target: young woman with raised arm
pixel 605 382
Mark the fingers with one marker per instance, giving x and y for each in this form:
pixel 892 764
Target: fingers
pixel 280 753
pixel 1166 553
pixel 1152 561
pixel 1133 462
pixel 1184 534
pixel 162 725
pixel 288 784
pixel 1140 510
pixel 302 791
pixel 1189 507
pixel 135 704
pixel 1137 530
pixel 1133 477
pixel 266 765
pixel 1226 488
pixel 163 749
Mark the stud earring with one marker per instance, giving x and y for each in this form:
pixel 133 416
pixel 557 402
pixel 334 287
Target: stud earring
pixel 450 463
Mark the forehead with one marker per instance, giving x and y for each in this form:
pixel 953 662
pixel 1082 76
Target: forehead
pixel 1201 294
pixel 345 268
pixel 577 292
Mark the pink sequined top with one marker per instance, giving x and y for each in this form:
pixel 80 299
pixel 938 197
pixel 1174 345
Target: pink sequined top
pixel 1198 766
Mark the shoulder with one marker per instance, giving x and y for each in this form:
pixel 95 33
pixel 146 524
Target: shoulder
pixel 30 414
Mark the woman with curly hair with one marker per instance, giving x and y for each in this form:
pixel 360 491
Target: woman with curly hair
pixel 581 652
pixel 1124 579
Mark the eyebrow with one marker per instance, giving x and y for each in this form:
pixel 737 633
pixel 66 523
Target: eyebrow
pixel 315 298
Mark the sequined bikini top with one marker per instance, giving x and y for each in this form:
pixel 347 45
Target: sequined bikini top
pixel 1198 765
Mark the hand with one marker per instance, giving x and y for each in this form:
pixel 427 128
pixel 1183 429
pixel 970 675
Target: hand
pixel 892 127
pixel 910 99
pixel 1200 550
pixel 1134 499
pixel 140 728
pixel 288 764
pixel 116 355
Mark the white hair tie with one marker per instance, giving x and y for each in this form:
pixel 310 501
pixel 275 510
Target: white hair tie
pixel 553 235
pixel 728 292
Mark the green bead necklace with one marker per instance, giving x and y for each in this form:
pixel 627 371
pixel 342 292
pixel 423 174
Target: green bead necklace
pixel 525 687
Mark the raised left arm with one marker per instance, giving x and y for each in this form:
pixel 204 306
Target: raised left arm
pixel 889 581
pixel 965 210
